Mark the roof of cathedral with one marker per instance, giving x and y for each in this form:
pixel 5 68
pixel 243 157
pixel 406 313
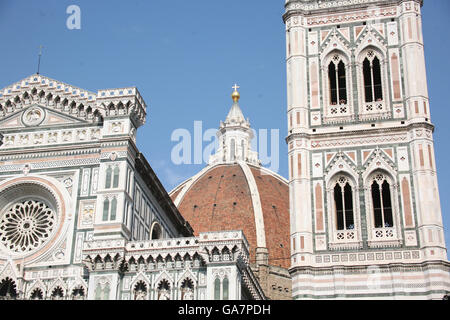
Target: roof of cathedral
pixel 235 193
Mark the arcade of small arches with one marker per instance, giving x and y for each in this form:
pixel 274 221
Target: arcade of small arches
pixel 90 110
pixel 9 291
pixel 149 262
pixel 53 100
pixel 164 290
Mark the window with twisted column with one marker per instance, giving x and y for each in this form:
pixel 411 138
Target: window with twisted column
pixel 381 202
pixel 373 95
pixel 342 202
pixel 373 88
pixel 343 208
pixel 381 195
pixel 338 81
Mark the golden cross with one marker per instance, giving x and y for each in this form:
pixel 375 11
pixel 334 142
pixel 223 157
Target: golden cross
pixel 235 87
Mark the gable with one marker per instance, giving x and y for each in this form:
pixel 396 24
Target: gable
pixel 37 116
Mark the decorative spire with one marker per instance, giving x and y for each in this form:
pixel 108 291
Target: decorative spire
pixel 235 136
pixel 236 96
pixel 235 116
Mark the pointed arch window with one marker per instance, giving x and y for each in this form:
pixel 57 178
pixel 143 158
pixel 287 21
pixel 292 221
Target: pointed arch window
pixel 112 177
pixel 382 202
pixel 343 199
pixel 343 218
pixel 337 81
pixel 116 177
pixel 217 289
pixel 373 89
pixel 105 209
pixel 163 290
pixel 108 178
pixel 109 209
pixel 78 293
pixel 225 284
pixel 112 215
pixel 187 289
pixel 57 294
pixel 8 289
pixel 37 294
pixel 140 291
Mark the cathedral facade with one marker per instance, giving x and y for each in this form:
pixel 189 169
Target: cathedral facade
pixel 83 215
pixel 366 220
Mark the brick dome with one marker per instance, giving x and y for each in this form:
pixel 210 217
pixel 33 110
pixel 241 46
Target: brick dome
pixel 240 196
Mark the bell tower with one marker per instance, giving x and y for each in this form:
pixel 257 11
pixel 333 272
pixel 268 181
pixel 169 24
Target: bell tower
pixel 364 195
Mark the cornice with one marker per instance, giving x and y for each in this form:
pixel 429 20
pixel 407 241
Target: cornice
pixel 362 132
pixel 310 7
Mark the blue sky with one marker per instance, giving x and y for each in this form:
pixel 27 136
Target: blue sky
pixel 184 57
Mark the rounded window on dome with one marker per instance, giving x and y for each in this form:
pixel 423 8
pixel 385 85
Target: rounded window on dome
pixel 28 218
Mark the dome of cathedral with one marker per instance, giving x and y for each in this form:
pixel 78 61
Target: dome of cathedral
pixel 234 192
pixel 239 197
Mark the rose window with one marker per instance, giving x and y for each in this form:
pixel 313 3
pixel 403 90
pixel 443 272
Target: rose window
pixel 27 225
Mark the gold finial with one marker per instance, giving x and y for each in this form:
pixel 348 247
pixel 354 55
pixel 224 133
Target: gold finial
pixel 236 96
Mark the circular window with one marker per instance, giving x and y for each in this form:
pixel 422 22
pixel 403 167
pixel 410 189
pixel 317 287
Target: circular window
pixel 26 225
pixel 30 217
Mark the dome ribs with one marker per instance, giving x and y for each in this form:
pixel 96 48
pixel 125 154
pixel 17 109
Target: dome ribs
pixel 275 205
pixel 226 187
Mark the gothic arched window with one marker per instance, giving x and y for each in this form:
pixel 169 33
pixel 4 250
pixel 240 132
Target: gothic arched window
pixel 343 200
pixel 112 177
pixel 382 202
pixel 217 289
pixel 112 215
pixel 8 289
pixel 78 293
pixel 37 294
pixel 108 178
pixel 140 291
pixel 187 289
pixel 337 81
pixel 109 209
pixel 105 209
pixel 225 284
pixel 57 294
pixel 373 89
pixel 164 290
pixel 116 177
